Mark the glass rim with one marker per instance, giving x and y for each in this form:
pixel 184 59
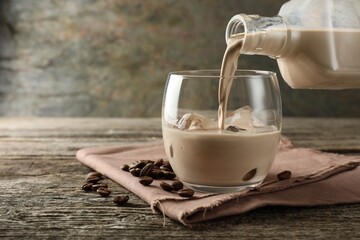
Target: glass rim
pixel 210 73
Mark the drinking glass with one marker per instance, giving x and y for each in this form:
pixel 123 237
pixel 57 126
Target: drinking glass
pixel 239 156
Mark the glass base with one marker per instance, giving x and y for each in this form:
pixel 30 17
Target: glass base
pixel 220 189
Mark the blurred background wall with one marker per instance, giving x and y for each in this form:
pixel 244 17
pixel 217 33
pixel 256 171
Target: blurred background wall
pixel 110 58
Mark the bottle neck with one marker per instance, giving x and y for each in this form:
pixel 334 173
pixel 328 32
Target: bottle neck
pixel 262 35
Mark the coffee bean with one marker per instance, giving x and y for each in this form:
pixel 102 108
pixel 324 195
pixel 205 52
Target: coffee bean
pixel 159 162
pixel 87 187
pixel 153 173
pixel 146 170
pixel 120 200
pixel 167 165
pixel 284 175
pixel 165 169
pixel 167 187
pixel 125 167
pixel 94 174
pixel 138 164
pixel 177 185
pixel 235 129
pixel 93 179
pixel 249 175
pixel 169 175
pixel 135 172
pixel 104 192
pixel 99 185
pixel 146 180
pixel 186 192
pixel 156 174
pixel 160 174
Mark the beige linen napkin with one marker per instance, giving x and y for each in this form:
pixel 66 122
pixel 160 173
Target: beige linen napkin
pixel 318 178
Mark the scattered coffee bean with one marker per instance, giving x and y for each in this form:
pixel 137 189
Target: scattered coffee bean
pixel 135 172
pixel 99 185
pixel 235 129
pixel 125 167
pixel 165 168
pixel 284 175
pixel 156 174
pixel 249 175
pixel 120 200
pixel 177 185
pixel 94 174
pixel 87 187
pixel 145 180
pixel 138 164
pixel 93 179
pixel 153 174
pixel 156 169
pixel 169 175
pixel 167 187
pixel 159 162
pixel 166 164
pixel 146 170
pixel 104 192
pixel 160 174
pixel 186 192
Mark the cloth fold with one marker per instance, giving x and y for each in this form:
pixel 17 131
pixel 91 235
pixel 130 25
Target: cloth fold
pixel 318 178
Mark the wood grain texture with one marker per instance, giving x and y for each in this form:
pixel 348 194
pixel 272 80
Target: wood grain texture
pixel 40 180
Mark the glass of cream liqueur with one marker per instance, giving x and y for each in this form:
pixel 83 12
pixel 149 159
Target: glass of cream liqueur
pixel 221 133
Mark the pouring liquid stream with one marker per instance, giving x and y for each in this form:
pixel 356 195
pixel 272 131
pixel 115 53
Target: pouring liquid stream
pixel 228 69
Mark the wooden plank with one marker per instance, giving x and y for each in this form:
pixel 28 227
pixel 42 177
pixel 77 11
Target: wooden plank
pixel 40 179
pixel 337 135
pixel 325 134
pixel 53 205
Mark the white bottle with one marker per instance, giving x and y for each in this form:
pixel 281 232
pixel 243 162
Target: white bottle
pixel 316 43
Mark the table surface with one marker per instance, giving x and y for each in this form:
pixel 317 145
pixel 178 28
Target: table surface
pixel 41 198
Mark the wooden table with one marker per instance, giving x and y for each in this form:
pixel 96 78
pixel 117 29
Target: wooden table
pixel 40 195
